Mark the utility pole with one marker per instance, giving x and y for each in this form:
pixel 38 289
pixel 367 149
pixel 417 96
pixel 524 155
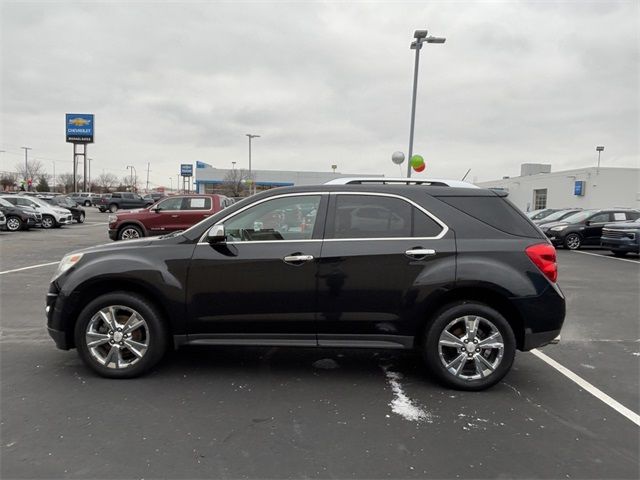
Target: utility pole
pixel 147 189
pixel 252 181
pixel 54 175
pixel 26 165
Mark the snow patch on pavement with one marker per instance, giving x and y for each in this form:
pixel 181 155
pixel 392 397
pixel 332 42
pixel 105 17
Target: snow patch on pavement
pixel 326 364
pixel 401 404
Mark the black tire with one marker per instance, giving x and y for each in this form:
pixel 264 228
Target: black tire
pixel 48 221
pixel 113 208
pixel 436 361
pixel 572 241
pixel 14 223
pixel 81 218
pixel 619 253
pixel 87 203
pixel 155 327
pixel 130 232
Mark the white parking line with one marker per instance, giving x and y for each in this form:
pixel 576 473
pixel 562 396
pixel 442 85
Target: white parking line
pixel 596 392
pixel 29 268
pixel 606 256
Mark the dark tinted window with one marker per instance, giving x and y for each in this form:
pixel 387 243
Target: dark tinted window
pixel 633 215
pixel 115 195
pixel 369 216
pixel 495 211
pixel 128 195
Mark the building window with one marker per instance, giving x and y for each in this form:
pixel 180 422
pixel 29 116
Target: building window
pixel 540 199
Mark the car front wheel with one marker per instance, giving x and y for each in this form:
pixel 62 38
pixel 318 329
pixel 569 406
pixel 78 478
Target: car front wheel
pixel 130 232
pixel 113 208
pixel 14 224
pixel 48 221
pixel 87 203
pixel 120 335
pixel 573 241
pixel 469 346
pixel 81 218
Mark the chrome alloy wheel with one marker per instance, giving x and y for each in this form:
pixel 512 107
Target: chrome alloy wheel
pixel 48 222
pixel 129 234
pixel 470 347
pixel 572 241
pixel 13 224
pixel 117 337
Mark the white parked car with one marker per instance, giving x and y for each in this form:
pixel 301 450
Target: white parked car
pixel 3 220
pixel 52 216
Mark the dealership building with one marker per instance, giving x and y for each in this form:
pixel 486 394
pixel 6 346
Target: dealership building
pixel 591 187
pixel 209 179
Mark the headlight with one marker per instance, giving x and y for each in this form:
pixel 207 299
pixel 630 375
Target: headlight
pixel 558 228
pixel 113 218
pixel 66 263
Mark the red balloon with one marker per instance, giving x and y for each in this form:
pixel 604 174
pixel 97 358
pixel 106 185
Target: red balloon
pixel 420 168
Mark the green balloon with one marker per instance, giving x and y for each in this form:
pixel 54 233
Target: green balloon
pixel 417 161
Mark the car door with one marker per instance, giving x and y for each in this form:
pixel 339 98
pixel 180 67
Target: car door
pixel 375 272
pixel 165 216
pixel 260 281
pixel 593 227
pixel 194 210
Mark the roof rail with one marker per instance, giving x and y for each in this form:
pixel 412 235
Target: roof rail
pixel 429 182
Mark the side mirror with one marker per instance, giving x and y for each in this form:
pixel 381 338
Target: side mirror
pixel 216 234
pixel 587 223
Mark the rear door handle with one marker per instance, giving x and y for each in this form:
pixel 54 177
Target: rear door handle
pixel 419 253
pixel 297 259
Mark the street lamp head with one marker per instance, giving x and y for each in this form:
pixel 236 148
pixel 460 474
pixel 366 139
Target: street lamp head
pixel 435 39
pixel 252 136
pixel 600 148
pixel 420 34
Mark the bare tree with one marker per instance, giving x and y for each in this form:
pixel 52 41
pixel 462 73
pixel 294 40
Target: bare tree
pixel 107 181
pixel 129 184
pixel 34 170
pixel 65 182
pixel 8 180
pixel 236 183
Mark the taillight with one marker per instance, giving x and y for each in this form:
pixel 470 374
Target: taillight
pixel 543 256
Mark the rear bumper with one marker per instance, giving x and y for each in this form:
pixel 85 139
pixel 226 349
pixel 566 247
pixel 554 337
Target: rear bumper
pixel 543 317
pixel 536 340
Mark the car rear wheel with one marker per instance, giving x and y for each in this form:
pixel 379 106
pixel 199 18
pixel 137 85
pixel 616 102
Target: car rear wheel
pixel 120 335
pixel 48 221
pixel 129 232
pixel 113 208
pixel 573 241
pixel 469 346
pixel 81 218
pixel 14 224
pixel 87 203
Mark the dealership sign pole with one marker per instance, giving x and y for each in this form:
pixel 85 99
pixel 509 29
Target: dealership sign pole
pixel 186 172
pixel 79 130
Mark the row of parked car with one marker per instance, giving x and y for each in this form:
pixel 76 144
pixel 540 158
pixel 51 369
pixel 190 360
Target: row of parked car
pixel 617 229
pixel 24 211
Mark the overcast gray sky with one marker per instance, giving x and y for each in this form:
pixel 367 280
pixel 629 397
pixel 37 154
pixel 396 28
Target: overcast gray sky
pixel 323 83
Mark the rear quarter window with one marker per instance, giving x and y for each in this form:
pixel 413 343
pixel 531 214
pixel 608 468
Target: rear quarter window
pixel 497 212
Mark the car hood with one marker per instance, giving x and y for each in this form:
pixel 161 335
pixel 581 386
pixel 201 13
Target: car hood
pixel 623 225
pixel 112 246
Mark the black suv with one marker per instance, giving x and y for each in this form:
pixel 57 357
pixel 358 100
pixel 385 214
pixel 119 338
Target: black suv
pixel 459 274
pixel 585 227
pixel 121 200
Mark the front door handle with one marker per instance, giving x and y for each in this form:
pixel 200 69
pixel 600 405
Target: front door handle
pixel 174 216
pixel 419 253
pixel 297 259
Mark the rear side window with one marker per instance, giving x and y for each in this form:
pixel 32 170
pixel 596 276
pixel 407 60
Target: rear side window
pixel 633 215
pixel 197 203
pixel 370 216
pixel 115 195
pixel 497 212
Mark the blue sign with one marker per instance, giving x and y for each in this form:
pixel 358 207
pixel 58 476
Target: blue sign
pixel 79 127
pixel 186 170
pixel 578 188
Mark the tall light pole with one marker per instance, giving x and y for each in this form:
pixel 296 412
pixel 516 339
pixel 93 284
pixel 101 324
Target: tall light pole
pixel 420 38
pixel 133 170
pixel 26 164
pixel 171 184
pixel 250 138
pixel 599 149
pixel 87 175
pixel 54 175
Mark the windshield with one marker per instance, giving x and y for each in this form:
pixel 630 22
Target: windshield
pixel 579 216
pixel 559 215
pixel 4 203
pixel 64 201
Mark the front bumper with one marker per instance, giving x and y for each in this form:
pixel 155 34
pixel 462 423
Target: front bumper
pixel 64 219
pixel 113 233
pixel 622 244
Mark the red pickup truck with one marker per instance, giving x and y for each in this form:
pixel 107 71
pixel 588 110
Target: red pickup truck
pixel 170 214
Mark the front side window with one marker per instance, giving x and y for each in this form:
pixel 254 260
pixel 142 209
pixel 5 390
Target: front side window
pixel 370 216
pixel 600 218
pixel 286 218
pixel 171 204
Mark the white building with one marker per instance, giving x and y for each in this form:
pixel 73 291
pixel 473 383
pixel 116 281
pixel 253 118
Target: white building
pixel 208 179
pixel 591 187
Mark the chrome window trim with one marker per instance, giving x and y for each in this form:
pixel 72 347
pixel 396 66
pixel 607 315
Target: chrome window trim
pixel 444 226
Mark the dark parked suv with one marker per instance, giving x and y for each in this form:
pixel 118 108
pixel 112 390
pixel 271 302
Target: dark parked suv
pixel 121 200
pixel 458 274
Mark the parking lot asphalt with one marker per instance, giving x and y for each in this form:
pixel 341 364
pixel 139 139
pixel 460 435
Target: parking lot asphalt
pixel 293 413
